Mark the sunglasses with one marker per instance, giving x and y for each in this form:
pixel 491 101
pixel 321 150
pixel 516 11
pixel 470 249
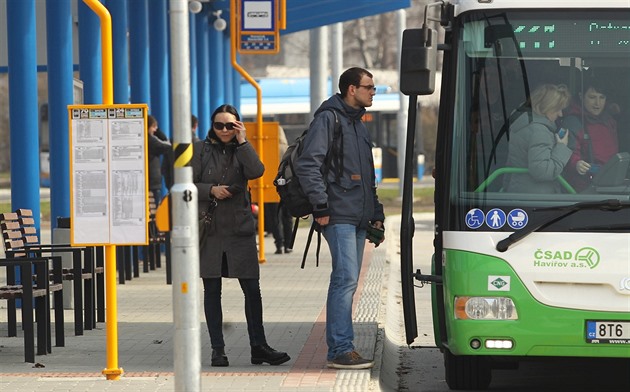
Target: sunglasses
pixel 219 126
pixel 369 87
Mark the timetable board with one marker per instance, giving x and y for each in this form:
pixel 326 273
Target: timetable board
pixel 108 174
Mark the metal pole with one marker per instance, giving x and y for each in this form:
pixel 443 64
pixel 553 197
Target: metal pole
pixel 158 65
pixel 218 70
pixel 59 42
pixel 112 372
pixel 401 117
pixel 336 61
pixel 319 66
pixel 21 27
pixel 120 50
pixel 259 121
pixel 203 78
pixel 90 55
pixel 185 231
pixel 194 99
pixel 139 69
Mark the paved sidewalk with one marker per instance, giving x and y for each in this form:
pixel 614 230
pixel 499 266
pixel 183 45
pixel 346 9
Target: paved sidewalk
pixel 294 314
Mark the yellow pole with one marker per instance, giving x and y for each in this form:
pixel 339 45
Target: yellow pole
pixel 259 130
pixel 283 15
pixel 112 372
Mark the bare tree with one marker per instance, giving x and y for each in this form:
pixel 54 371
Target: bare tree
pixel 362 40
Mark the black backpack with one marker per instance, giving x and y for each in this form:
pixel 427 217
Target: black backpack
pixel 287 184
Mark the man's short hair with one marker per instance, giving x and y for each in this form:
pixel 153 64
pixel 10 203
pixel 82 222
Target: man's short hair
pixel 351 77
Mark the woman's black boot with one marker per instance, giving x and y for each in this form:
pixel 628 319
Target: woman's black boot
pixel 219 358
pixel 264 353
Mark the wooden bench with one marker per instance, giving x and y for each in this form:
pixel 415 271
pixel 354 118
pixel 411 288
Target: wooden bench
pixel 29 294
pixel 82 276
pixel 13 239
pixel 38 278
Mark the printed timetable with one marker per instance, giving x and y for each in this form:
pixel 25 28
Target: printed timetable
pixel 108 174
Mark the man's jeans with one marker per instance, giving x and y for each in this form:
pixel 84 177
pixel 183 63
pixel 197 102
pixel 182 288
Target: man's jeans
pixel 346 243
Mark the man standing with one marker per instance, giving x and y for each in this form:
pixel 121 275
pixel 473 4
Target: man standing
pixel 345 202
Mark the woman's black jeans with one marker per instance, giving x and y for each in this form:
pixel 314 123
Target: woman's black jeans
pixel 214 312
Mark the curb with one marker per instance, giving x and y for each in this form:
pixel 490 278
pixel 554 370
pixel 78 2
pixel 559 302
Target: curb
pixel 391 355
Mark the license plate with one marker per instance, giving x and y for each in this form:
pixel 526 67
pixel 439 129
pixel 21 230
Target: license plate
pixel 611 332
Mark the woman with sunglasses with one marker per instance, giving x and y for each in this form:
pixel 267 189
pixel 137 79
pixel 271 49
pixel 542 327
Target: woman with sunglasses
pixel 222 164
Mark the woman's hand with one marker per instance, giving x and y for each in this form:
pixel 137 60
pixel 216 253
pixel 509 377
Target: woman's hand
pixel 220 192
pixel 582 167
pixel 241 132
pixel 564 140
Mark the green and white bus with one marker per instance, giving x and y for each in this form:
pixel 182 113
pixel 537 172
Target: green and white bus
pixel 514 274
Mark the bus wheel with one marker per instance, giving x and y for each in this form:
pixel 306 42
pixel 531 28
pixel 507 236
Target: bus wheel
pixel 467 372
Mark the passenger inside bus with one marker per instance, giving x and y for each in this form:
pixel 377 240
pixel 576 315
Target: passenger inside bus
pixel 536 144
pixel 593 131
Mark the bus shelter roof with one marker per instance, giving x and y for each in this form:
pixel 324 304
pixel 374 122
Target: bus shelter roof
pixel 305 15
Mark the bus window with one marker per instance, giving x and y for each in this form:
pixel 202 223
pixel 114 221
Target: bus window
pixel 495 96
pixel 495 77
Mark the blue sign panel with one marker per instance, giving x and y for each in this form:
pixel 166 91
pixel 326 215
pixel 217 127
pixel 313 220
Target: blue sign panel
pixel 517 219
pixel 474 218
pixel 495 218
pixel 258 27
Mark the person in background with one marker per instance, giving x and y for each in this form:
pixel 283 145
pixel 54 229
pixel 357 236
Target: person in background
pixel 536 144
pixel 594 131
pixel 157 147
pixel 272 225
pixel 194 124
pixel 285 218
pixel 222 165
pixel 345 203
pixel 278 220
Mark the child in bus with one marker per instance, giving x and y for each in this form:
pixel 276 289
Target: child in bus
pixel 536 145
pixel 593 133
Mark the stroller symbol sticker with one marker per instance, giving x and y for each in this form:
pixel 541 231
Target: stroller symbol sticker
pixel 517 219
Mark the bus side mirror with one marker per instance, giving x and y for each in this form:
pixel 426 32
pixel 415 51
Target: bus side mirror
pixel 418 61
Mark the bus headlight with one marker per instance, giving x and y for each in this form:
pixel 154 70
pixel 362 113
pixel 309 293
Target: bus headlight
pixel 501 344
pixel 485 308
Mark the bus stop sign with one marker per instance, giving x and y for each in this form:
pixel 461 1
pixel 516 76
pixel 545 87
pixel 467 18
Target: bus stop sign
pixel 258 31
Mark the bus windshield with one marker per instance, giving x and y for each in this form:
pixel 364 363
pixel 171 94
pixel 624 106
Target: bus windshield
pixel 542 108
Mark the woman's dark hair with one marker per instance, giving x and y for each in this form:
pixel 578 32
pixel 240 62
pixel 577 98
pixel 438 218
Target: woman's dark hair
pixel 226 108
pixel 594 81
pixel 151 120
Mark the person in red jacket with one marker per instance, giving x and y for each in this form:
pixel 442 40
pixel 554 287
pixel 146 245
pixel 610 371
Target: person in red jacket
pixel 593 133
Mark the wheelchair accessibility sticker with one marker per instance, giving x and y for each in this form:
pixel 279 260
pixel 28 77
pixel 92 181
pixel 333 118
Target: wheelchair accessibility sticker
pixel 495 218
pixel 474 218
pixel 517 219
